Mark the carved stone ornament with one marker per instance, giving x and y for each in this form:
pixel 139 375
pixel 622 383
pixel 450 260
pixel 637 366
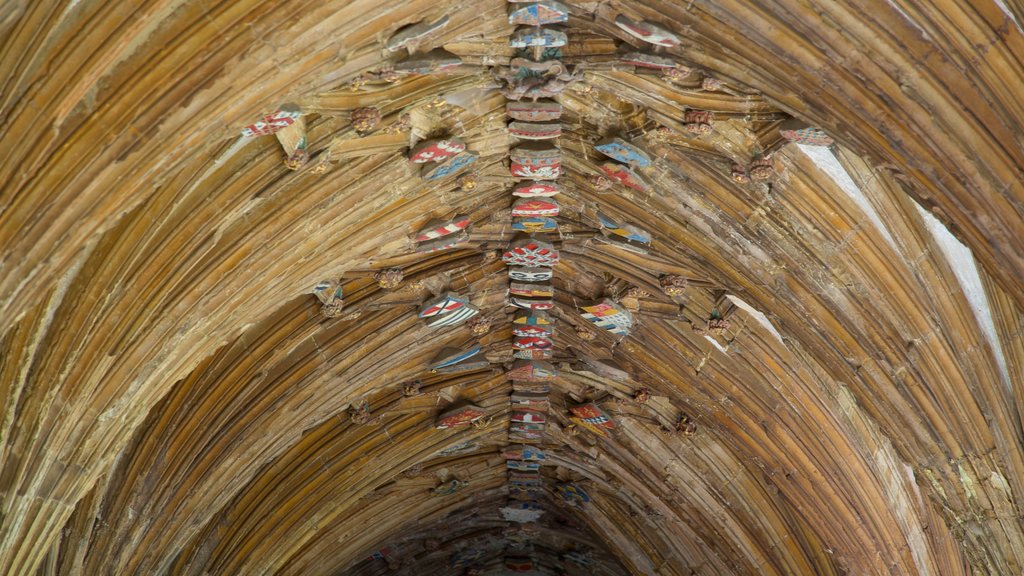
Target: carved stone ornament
pixel 641 395
pixel 360 413
pixel 329 293
pixel 698 121
pixel 673 285
pixel 389 279
pixel 431 543
pixel 739 174
pixel 323 163
pixel 686 426
pixel 761 169
pixel 467 182
pixel 600 183
pixel 412 388
pixel 480 325
pixel 365 119
pixel 710 84
pixel 585 333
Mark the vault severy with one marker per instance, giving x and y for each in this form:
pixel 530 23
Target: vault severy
pixel 176 401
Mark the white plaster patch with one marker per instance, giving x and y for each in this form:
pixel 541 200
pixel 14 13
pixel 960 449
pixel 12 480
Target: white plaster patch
pixel 965 269
pixel 756 315
pixel 825 160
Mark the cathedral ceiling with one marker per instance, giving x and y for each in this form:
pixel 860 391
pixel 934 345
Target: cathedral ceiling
pixel 217 348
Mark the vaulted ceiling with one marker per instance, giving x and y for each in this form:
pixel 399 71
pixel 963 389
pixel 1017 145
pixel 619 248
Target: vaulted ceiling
pixel 825 369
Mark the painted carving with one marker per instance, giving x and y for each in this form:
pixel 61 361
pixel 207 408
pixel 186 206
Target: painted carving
pixel 539 189
pixel 448 310
pixel 534 207
pixel 673 285
pixel 600 183
pixel 409 36
pixel 283 117
pixel 623 175
pixel 532 402
pixel 536 342
pixel 535 131
pixel 685 425
pixel 539 111
pixel 698 121
pixel 450 360
pixel 533 354
pixel 442 243
pixel 461 416
pixel 439 228
pixel 531 290
pixel 467 182
pixel 329 293
pixel 532 303
pixel 365 119
pixel 534 323
pixel 761 169
pixel 529 37
pixel 389 279
pixel 531 79
pixel 437 60
pixel 796 130
pixel 535 224
pixel 437 150
pixel 449 167
pixel 528 453
pixel 530 252
pixel 591 417
pixel 521 466
pixel 608 315
pixel 530 274
pixel 646 31
pixel 480 325
pixel 539 13
pixel 531 371
pixel 572 493
pixel 412 388
pixel 529 417
pixel 624 152
pixel 536 162
pixel 360 413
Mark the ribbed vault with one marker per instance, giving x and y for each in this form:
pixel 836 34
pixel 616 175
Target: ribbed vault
pixel 832 385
